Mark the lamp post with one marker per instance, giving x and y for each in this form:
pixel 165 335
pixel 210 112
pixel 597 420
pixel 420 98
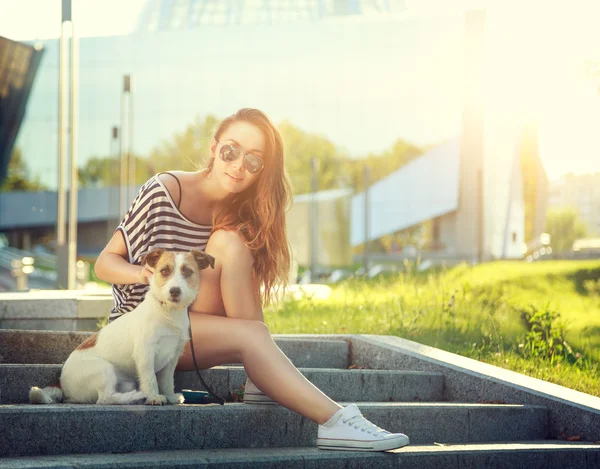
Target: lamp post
pixel 367 182
pixel 130 144
pixel 113 174
pixel 314 220
pixel 66 249
pixel 127 178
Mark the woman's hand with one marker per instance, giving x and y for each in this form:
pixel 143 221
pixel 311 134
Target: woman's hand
pixel 145 273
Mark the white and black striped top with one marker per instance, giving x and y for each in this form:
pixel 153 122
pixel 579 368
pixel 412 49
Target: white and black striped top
pixel 154 221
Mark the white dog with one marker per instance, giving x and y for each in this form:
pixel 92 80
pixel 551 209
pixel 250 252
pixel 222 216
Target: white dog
pixel 145 343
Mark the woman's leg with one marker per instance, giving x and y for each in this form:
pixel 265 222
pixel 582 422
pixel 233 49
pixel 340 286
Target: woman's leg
pixel 220 340
pixel 241 337
pixel 229 289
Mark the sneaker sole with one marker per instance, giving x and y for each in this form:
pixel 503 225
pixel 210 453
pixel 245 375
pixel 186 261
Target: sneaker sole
pixel 258 399
pixel 354 445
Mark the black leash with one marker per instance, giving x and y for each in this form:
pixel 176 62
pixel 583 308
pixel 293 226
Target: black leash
pixel 219 399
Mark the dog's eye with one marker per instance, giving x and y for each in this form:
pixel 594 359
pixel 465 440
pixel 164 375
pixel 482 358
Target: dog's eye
pixel 186 272
pixel 165 272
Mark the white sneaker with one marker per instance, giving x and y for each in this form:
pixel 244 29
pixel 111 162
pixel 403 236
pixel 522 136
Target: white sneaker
pixel 348 430
pixel 253 395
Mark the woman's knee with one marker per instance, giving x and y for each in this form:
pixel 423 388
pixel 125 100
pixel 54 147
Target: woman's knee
pixel 255 333
pixel 229 246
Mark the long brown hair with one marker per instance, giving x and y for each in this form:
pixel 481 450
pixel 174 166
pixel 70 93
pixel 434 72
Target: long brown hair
pixel 258 213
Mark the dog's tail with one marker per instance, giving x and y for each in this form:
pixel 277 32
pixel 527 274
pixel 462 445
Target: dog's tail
pixel 49 395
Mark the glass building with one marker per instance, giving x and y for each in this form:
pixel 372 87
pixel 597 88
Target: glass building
pixel 363 74
pixel 360 73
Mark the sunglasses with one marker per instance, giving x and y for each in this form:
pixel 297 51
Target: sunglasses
pixel 252 163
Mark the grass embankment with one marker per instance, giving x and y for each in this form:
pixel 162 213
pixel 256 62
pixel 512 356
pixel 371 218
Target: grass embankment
pixel 541 319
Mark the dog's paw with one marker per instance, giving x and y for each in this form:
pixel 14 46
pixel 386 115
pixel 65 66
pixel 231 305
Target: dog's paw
pixel 175 399
pixel 158 399
pixel 138 398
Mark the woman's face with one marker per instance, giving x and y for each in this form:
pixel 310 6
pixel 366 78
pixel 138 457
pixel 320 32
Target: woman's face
pixel 239 138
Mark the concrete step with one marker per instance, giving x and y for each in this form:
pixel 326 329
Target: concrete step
pixel 19 346
pixel 27 430
pixel 523 455
pixel 341 385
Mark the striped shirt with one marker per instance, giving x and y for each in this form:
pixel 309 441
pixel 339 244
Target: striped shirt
pixel 153 221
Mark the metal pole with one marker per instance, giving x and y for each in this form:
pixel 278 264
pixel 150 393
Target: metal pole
pixel 62 263
pixel 74 184
pixel 130 150
pixel 122 156
pixel 113 151
pixel 480 217
pixel 314 220
pixel 512 187
pixel 366 178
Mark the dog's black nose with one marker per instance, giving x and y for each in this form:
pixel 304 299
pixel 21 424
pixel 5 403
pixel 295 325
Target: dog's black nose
pixel 175 291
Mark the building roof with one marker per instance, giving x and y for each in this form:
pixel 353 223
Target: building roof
pixel 423 189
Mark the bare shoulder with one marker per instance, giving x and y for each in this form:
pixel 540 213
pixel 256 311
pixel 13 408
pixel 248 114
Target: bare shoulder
pixel 170 180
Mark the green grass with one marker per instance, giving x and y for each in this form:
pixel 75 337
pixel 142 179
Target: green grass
pixel 472 311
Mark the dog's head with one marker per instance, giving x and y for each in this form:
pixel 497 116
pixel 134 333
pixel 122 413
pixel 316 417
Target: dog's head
pixel 176 275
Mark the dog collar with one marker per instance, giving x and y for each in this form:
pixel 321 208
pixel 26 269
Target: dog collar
pixel 162 303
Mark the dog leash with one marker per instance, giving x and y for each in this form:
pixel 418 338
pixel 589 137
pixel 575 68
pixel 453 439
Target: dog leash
pixel 219 399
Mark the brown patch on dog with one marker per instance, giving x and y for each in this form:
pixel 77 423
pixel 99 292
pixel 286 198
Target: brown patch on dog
pixel 203 260
pixel 191 266
pixel 88 343
pixel 152 257
pixel 164 265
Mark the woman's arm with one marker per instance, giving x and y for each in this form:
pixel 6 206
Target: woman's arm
pixel 112 265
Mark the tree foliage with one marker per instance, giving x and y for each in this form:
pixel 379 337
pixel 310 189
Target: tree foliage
pixel 381 165
pixel 336 169
pixel 188 150
pixel 300 148
pixel 99 171
pixel 18 177
pixel 564 227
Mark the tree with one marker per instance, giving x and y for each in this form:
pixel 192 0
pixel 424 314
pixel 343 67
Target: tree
pixel 17 177
pixel 299 149
pixel 186 150
pixel 381 165
pixel 336 168
pixel 564 227
pixel 106 171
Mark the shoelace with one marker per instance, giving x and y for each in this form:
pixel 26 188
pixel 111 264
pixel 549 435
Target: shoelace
pixel 362 424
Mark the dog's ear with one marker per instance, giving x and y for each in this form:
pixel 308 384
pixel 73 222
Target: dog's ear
pixel 152 257
pixel 203 260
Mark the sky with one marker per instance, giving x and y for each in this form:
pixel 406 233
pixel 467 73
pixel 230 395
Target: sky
pixel 538 67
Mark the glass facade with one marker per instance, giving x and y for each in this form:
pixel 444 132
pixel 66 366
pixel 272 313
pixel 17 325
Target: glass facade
pixel 361 83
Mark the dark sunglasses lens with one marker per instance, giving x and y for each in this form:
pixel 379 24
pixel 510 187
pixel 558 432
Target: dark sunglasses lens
pixel 253 164
pixel 229 153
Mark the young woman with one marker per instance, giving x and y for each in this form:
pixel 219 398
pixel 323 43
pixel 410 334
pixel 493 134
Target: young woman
pixel 234 209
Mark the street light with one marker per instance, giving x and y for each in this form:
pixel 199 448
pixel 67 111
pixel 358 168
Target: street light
pixel 367 222
pixel 66 250
pixel 113 175
pixel 314 220
pixel 127 179
pixel 21 268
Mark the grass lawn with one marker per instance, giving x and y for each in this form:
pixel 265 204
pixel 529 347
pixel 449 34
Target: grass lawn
pixel 476 312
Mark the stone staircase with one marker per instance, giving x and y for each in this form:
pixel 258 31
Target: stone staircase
pixel 455 433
